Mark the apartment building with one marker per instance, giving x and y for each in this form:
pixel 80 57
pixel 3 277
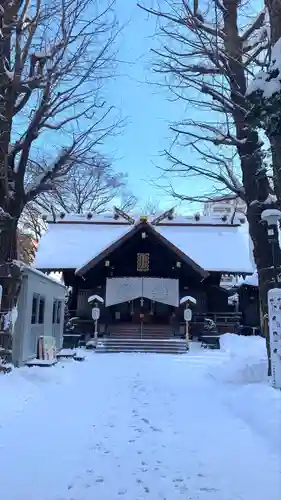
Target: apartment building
pixel 224 205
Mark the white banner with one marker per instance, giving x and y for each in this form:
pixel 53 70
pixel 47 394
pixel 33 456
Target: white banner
pixel 122 289
pixel 274 323
pixel 164 290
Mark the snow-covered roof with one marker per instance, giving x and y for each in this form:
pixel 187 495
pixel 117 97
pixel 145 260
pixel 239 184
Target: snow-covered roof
pixel 252 280
pixel 214 248
pixel 26 268
pixel 68 246
pixel 213 244
pixel 107 218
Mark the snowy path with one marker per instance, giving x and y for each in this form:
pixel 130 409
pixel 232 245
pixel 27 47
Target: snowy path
pixel 132 427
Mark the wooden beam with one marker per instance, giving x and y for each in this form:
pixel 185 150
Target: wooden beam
pixel 168 214
pixel 120 213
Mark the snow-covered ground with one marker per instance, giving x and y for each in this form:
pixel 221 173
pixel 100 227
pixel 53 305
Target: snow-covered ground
pixel 134 426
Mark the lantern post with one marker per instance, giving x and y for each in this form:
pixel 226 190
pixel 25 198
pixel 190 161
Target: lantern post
pixel 96 300
pixel 187 314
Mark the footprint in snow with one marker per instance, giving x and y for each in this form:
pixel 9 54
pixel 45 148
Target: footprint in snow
pixel 155 429
pixel 122 491
pixel 99 480
pixel 140 431
pixel 146 421
pixel 209 490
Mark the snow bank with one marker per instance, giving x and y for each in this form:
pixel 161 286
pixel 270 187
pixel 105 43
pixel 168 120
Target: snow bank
pixel 259 405
pixel 245 387
pixel 247 361
pixel 24 386
pixel 242 345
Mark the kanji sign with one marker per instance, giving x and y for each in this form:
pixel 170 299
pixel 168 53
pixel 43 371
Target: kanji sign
pixel 274 324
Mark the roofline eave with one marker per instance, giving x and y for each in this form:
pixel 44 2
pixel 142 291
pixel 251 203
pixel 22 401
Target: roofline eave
pixel 81 271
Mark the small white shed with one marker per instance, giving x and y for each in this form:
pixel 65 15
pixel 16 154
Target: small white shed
pixel 40 308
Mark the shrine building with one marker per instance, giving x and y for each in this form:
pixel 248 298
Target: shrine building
pixel 142 267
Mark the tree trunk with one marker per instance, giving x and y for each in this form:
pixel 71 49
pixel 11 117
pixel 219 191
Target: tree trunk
pixel 255 180
pixel 9 270
pixel 274 10
pixel 275 144
pixel 268 261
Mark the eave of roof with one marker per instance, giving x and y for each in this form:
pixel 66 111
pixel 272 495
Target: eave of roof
pixel 137 228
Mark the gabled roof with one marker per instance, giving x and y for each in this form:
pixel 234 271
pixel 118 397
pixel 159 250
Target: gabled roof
pixel 134 230
pixel 213 244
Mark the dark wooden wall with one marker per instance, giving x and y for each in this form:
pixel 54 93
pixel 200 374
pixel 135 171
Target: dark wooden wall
pixel 163 264
pixel 249 306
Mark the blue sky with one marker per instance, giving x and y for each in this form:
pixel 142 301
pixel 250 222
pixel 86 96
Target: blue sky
pixel 138 149
pixel 149 110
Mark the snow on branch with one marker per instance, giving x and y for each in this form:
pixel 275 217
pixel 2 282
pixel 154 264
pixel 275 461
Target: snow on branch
pixel 204 59
pixel 52 79
pixel 256 24
pixel 268 82
pixel 264 93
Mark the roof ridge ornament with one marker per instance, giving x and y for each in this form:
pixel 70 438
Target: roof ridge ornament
pixel 168 214
pixel 120 213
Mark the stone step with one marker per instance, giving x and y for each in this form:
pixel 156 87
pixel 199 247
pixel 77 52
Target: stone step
pixel 136 345
pixel 140 336
pixel 141 350
pixel 148 332
pixel 108 340
pixel 131 326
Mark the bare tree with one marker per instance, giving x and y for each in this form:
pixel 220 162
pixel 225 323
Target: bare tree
pixel 31 221
pixel 54 59
pixel 206 58
pixel 26 247
pixel 90 186
pixel 127 201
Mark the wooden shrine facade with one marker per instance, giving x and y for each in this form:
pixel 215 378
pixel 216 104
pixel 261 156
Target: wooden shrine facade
pixel 146 266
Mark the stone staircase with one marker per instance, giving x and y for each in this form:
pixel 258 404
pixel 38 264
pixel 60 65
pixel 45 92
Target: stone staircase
pixel 149 338
pixel 164 346
pixel 146 331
